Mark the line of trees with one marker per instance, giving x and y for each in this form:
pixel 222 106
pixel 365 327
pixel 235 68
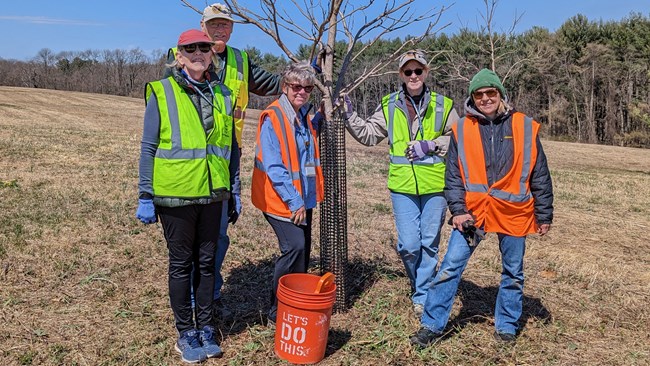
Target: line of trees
pixel 587 82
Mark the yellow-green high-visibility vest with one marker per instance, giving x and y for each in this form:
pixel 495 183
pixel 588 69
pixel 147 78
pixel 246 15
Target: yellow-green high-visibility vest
pixel 188 164
pixel 235 78
pixel 422 176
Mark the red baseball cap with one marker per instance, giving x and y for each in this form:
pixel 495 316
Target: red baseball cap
pixel 193 36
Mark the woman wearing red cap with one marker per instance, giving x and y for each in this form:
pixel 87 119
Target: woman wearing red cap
pixel 188 167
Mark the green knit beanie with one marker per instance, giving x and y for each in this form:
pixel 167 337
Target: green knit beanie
pixel 486 78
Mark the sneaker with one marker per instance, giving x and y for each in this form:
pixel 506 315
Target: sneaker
pixel 220 312
pixel 270 323
pixel 418 309
pixel 425 337
pixel 210 346
pixel 271 317
pixel 505 337
pixel 189 347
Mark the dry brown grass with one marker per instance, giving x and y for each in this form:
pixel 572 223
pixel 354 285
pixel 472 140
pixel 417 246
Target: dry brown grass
pixel 83 283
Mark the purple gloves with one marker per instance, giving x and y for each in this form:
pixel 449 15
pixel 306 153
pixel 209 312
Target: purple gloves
pixel 417 150
pixel 347 106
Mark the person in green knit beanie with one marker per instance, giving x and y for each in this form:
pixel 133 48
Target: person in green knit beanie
pixel 486 78
pixel 496 181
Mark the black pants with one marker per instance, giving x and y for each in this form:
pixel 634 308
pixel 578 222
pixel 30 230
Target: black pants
pixel 295 247
pixel 191 233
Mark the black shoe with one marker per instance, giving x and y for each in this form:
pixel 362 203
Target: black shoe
pixel 505 337
pixel 220 313
pixel 271 317
pixel 425 337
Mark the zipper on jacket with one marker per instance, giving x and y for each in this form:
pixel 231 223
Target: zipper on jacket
pixel 199 111
pixel 408 128
pixel 492 157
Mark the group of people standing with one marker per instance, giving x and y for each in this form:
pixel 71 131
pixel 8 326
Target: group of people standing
pixel 488 168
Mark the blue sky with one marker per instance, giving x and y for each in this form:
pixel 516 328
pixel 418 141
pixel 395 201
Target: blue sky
pixel 76 25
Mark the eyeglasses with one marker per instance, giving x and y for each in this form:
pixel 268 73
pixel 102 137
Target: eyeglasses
pixel 417 72
pixel 491 93
pixel 203 47
pixel 218 25
pixel 297 88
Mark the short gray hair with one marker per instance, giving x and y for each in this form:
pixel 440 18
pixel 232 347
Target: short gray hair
pixel 299 72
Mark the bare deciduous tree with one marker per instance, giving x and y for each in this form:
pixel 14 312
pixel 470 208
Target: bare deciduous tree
pixel 321 23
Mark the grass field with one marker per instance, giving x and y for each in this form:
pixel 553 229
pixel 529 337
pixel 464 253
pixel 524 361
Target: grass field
pixel 83 283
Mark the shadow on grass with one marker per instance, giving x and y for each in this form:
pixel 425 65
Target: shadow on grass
pixel 247 292
pixel 362 274
pixel 478 306
pixel 336 339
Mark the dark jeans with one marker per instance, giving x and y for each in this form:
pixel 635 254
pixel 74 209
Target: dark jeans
pixel 295 247
pixel 191 233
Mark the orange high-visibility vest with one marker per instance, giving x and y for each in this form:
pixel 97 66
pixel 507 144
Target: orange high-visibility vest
pixel 507 206
pixel 263 194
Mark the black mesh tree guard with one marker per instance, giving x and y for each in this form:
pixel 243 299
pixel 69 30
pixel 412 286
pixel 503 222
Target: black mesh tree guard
pixel 334 209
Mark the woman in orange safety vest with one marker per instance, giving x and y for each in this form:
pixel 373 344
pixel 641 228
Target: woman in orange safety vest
pixel 287 177
pixel 497 180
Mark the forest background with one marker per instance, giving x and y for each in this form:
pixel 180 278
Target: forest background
pixel 589 81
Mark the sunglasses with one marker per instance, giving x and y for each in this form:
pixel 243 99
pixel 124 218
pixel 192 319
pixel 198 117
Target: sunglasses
pixel 417 72
pixel 489 93
pixel 203 47
pixel 297 88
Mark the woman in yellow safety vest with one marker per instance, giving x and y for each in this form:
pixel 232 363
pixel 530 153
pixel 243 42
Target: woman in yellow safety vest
pixel 417 123
pixel 188 167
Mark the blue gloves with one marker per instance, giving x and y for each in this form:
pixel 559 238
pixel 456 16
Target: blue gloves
pixel 314 64
pixel 234 208
pixel 146 211
pixel 417 150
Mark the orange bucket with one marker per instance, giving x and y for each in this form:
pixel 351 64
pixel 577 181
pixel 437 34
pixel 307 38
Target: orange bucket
pixel 305 304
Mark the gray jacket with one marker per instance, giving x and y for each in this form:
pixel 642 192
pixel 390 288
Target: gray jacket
pixel 372 131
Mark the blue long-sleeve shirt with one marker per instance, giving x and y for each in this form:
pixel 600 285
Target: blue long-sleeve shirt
pixel 275 168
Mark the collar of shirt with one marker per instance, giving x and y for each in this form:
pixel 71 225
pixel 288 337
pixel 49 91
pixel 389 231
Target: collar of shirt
pixel 301 117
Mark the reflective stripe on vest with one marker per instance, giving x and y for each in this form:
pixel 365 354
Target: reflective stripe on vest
pixel 263 194
pixel 439 117
pixel 523 194
pixel 294 174
pixel 422 176
pixel 236 78
pixel 177 151
pixel 189 164
pixel 507 206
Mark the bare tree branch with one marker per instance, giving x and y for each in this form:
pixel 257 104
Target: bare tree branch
pixel 319 23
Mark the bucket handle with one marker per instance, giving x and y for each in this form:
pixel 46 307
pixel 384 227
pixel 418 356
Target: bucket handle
pixel 325 282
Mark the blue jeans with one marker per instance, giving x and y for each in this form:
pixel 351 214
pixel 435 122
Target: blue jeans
pixel 440 297
pixel 418 219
